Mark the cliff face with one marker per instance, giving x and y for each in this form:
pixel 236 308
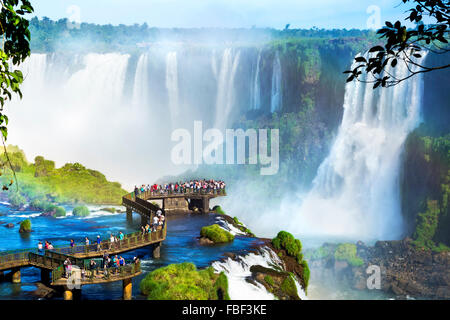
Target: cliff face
pixel 425 177
pixel 404 270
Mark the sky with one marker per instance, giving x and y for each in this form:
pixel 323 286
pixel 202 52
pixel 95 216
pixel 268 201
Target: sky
pixel 328 14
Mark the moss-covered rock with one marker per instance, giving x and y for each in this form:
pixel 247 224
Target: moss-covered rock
pixel 289 250
pixel 54 211
pixel 184 282
pixel 216 234
pixel 347 252
pixel 218 210
pixel 81 211
pixel 110 210
pixel 280 283
pixel 25 226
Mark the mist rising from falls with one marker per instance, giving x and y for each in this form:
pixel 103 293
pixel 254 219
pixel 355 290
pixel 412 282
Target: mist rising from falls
pixel 115 112
pixel 356 190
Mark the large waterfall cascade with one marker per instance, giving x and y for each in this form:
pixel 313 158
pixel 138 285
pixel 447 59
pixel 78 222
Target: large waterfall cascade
pixel 98 108
pixel 356 191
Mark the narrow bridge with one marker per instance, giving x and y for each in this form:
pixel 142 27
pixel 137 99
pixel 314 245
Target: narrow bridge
pixel 51 261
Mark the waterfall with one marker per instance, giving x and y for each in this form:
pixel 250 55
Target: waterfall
pixel 172 85
pixel 256 98
pixel 238 270
pixel 275 101
pixel 225 87
pixel 141 81
pixel 356 191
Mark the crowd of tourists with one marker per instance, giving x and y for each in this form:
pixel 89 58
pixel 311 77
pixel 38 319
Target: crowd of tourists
pixel 156 224
pixel 193 186
pixel 107 264
pixel 113 239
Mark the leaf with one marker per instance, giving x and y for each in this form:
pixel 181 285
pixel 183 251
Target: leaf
pixel 376 48
pixel 360 59
pixel 394 63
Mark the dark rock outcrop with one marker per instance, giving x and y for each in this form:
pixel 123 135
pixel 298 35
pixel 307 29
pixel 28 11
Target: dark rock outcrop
pixel 405 270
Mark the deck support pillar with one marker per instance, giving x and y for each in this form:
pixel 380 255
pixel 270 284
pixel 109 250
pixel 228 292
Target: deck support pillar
pixel 129 214
pixel 127 289
pixel 15 275
pixel 156 250
pixel 68 294
pixel 45 276
pixel 205 203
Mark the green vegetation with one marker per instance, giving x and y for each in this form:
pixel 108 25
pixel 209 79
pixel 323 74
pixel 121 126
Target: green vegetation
pixel 426 189
pixel 306 274
pixel 285 240
pixel 288 287
pixel 25 226
pixel 241 227
pixel 59 211
pixel 15 34
pixel 347 252
pixel 293 247
pixel 42 185
pixel 216 234
pixel 269 280
pixel 184 282
pixel 110 210
pixel 218 210
pixel 81 211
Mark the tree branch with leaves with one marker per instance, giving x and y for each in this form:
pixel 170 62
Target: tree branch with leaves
pixel 15 36
pixel 406 46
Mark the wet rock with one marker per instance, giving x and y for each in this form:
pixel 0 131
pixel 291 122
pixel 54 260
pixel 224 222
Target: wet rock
pixel 405 270
pixel 9 225
pixel 43 291
pixel 205 241
pixel 230 255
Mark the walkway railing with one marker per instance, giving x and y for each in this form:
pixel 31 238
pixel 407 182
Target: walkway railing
pixel 166 193
pixel 48 258
pixel 92 275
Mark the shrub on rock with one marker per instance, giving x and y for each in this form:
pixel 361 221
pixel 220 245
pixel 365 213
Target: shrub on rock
pixel 184 282
pixel 25 226
pixel 216 234
pixel 81 211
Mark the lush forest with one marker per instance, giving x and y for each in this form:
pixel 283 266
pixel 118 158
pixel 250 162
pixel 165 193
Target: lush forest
pixel 63 35
pixel 41 185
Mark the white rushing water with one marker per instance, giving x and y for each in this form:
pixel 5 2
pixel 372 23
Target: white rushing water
pixel 356 190
pixel 276 95
pixel 225 87
pixel 237 270
pixel 256 97
pixel 113 112
pixel 141 81
pixel 172 85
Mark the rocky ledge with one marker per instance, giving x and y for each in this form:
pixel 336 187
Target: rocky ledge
pixel 405 270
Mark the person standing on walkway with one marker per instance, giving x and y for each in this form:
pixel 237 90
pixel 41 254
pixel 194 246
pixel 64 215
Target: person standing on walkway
pixel 99 241
pixel 40 247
